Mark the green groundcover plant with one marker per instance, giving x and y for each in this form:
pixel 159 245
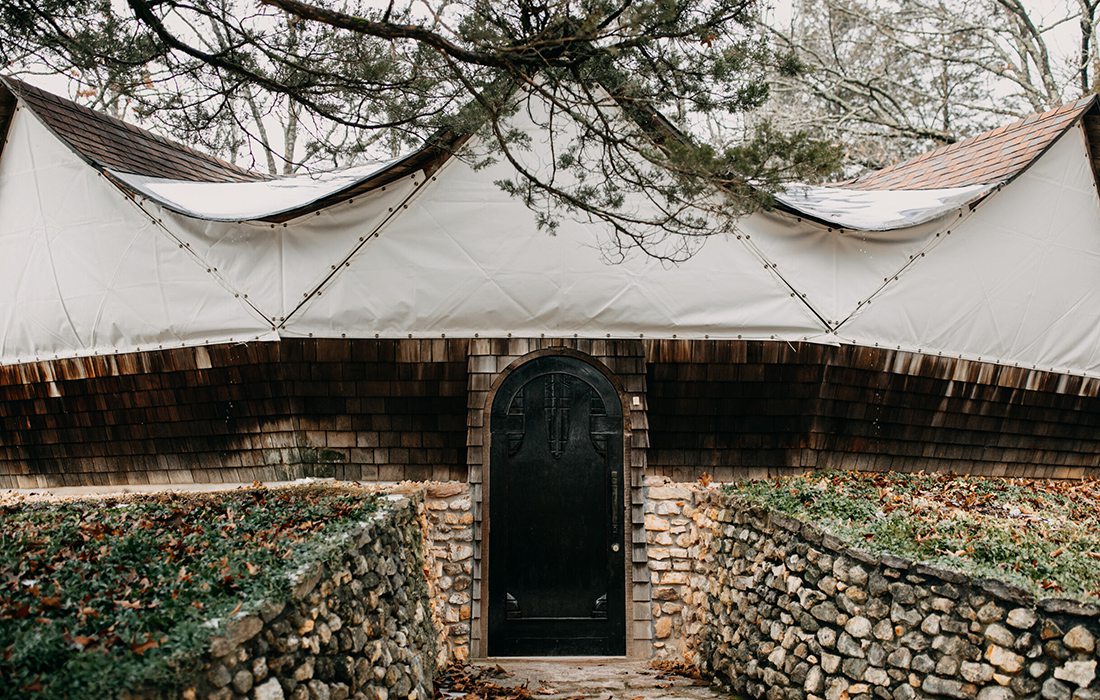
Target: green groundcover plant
pixel 97 596
pixel 1040 534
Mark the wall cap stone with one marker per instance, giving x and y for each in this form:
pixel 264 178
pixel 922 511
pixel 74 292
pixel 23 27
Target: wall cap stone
pixel 1068 606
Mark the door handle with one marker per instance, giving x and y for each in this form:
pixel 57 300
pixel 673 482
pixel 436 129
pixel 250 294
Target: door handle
pixel 616 512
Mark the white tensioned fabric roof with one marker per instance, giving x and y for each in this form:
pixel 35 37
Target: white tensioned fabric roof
pixel 97 260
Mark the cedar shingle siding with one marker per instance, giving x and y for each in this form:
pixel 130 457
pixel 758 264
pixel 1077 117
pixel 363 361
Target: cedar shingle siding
pixel 738 409
pixel 370 410
pixel 398 409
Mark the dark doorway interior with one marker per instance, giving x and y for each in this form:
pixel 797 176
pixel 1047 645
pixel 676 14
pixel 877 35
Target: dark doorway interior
pixel 556 546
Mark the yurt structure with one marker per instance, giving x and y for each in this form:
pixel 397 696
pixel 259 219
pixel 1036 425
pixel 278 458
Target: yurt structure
pixel 167 317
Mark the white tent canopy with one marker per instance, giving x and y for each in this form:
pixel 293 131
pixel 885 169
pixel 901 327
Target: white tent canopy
pixel 1006 274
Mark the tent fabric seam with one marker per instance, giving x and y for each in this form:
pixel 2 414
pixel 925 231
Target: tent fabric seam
pixel 346 259
pixel 238 295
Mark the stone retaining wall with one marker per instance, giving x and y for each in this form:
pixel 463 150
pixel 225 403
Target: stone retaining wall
pixel 676 569
pixel 450 532
pixel 355 623
pixel 775 608
pixel 447 521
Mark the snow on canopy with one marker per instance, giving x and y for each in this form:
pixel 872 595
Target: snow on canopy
pixel 115 240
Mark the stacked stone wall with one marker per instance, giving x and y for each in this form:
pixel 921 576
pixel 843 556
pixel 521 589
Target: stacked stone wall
pixel 357 622
pixel 446 516
pixel 450 536
pixel 792 612
pixel 674 543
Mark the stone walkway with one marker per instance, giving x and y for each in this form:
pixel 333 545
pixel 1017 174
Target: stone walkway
pixel 598 679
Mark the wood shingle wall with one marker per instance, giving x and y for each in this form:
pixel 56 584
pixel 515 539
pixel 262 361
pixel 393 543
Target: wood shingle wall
pixel 757 409
pixel 371 410
pixel 412 409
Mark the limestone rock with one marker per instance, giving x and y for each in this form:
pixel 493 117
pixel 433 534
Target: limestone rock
pixel 663 628
pixel 1002 658
pixel 1081 673
pixel 271 690
pixel 1080 640
pixel 1053 690
pixel 999 634
pixel 242 681
pixel 976 672
pixel 859 627
pixel 945 686
pixel 241 629
pixel 1022 618
pixel 219 676
pixel 848 646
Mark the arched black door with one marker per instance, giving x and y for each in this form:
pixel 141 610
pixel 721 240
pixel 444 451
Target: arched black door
pixel 556 544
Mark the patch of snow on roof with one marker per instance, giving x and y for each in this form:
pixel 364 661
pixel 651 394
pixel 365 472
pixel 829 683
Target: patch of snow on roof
pixel 878 210
pixel 246 201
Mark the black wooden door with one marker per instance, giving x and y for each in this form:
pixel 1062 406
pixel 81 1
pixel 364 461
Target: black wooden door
pixel 556 544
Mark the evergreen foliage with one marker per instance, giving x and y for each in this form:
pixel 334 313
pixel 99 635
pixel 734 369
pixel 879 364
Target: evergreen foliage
pixel 598 77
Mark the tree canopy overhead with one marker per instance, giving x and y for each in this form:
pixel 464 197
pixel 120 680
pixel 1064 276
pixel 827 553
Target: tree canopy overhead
pixel 346 76
pixel 893 78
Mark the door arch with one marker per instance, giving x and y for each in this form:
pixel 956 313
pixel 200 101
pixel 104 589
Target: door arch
pixel 556 535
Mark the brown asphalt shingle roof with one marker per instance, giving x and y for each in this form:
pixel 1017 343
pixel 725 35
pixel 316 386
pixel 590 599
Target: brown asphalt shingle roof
pixel 114 144
pixel 990 157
